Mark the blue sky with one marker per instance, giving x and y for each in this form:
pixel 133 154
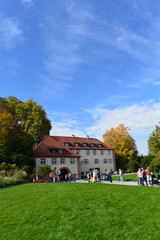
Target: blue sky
pixel 91 64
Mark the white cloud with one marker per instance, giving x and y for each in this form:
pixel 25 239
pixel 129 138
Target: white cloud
pixel 62 129
pixel 10 32
pixel 141 119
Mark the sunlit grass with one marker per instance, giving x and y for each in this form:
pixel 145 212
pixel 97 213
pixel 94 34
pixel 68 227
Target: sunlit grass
pixel 79 211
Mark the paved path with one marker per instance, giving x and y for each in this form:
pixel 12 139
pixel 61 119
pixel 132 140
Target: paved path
pixel 114 182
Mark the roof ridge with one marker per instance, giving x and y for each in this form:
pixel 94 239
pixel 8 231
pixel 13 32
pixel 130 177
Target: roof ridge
pixel 40 142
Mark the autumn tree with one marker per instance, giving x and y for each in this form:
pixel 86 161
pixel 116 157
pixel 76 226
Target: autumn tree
pixel 30 116
pixel 15 144
pixel 124 145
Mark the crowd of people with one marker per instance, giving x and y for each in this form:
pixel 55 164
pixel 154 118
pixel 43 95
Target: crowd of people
pixel 146 177
pixel 94 176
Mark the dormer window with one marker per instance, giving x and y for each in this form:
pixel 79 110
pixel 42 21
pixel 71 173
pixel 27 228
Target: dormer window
pixel 99 145
pixel 84 144
pixel 66 144
pixel 76 144
pixel 60 150
pixel 52 150
pixel 92 144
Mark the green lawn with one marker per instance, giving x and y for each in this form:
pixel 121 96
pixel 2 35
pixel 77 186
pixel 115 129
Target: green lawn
pixel 126 177
pixel 65 211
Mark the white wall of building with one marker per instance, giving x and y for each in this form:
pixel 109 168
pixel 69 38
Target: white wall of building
pixel 72 167
pixel 107 155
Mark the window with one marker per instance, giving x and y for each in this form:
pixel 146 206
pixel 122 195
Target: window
pixel 62 161
pixel 92 144
pixel 96 161
pixel 43 161
pixel 52 150
pixel 76 144
pixel 94 152
pixel 101 152
pixel 54 161
pixel 66 144
pixel 72 161
pixel 99 145
pixel 77 151
pixel 60 150
pixel 108 152
pixel 84 144
pixel 85 161
pixel 105 161
pixel 87 152
pixel 110 160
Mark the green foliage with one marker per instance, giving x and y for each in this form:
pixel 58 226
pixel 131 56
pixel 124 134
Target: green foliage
pixel 31 117
pixel 44 170
pixel 18 152
pixel 145 161
pixel 133 165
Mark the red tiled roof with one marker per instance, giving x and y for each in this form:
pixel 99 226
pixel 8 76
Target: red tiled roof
pixel 42 149
pixel 57 142
pixel 80 141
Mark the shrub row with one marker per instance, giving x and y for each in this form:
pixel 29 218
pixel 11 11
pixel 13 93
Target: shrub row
pixel 10 181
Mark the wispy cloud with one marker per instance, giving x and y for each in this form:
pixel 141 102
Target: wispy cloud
pixel 10 32
pixel 27 2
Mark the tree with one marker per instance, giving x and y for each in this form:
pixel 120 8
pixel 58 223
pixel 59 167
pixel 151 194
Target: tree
pixel 9 126
pixel 44 171
pixel 30 116
pixel 124 144
pixel 154 141
pixel 154 148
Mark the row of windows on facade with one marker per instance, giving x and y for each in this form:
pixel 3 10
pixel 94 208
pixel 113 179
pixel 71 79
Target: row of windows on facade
pixel 78 151
pixel 83 144
pixel 72 161
pixel 94 152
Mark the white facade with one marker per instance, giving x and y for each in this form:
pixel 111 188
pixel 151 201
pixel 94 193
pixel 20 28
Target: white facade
pixel 58 163
pixel 102 159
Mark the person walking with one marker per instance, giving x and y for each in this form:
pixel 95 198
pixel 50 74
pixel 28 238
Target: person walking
pixel 140 176
pixel 110 175
pixel 120 175
pixel 148 173
pixel 144 177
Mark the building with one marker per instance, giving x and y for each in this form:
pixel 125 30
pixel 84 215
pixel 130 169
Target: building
pixel 74 154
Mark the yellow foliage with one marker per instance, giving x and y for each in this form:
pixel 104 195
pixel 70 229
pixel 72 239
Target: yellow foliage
pixel 120 139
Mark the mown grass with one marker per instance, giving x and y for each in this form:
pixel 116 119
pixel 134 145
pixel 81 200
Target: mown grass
pixel 127 177
pixel 79 211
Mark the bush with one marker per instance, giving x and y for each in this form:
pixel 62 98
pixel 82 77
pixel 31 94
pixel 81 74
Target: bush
pixel 15 178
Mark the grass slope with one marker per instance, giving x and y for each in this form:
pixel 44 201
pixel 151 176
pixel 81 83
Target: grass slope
pixel 79 211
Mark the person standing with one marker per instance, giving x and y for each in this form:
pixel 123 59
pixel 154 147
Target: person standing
pixel 69 177
pixel 144 177
pixel 51 177
pixel 88 176
pixel 140 176
pixel 148 173
pixel 120 175
pixel 110 175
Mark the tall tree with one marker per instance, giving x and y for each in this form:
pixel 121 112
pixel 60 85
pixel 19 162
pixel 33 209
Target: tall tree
pixel 30 116
pixel 154 141
pixel 154 148
pixel 125 147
